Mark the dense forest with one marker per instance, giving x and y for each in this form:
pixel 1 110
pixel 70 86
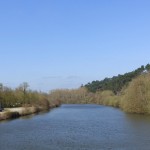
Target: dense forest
pixel 116 83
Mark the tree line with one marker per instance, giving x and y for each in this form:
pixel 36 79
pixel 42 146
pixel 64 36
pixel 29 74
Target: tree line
pixel 116 83
pixel 23 96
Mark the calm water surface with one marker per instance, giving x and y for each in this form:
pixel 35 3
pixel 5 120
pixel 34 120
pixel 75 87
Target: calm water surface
pixel 77 127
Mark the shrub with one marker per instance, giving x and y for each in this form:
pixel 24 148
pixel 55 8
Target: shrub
pixel 136 97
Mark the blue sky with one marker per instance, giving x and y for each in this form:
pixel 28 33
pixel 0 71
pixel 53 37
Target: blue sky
pixel 65 43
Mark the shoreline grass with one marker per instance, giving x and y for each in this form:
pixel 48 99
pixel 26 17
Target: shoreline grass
pixel 10 113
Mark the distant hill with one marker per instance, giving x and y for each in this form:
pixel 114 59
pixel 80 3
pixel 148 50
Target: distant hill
pixel 116 83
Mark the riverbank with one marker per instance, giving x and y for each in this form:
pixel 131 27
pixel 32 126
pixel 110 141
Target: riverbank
pixel 10 113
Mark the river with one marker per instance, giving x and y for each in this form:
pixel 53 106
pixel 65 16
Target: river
pixel 77 127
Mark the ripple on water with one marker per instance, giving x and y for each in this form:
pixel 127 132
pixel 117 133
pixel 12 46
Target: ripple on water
pixel 77 127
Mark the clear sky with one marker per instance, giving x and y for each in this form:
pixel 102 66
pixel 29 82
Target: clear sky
pixel 65 43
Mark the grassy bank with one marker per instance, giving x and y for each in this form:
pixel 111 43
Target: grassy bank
pixel 10 113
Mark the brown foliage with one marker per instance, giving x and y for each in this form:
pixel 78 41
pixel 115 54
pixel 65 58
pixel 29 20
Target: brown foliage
pixel 73 96
pixel 136 98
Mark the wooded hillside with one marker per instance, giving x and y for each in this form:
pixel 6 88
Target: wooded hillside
pixel 116 83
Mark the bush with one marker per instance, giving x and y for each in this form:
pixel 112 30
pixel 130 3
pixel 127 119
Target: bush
pixel 136 97
pixel 107 98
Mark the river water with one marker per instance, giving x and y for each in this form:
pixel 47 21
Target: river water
pixel 77 127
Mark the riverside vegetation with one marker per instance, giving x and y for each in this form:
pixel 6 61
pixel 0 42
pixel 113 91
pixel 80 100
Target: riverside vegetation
pixel 130 92
pixel 23 101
